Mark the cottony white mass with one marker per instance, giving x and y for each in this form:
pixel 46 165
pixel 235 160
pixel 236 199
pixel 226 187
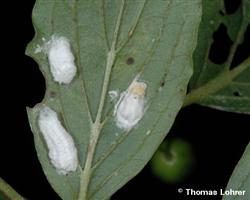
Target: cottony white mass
pixel 62 150
pixel 61 59
pixel 131 106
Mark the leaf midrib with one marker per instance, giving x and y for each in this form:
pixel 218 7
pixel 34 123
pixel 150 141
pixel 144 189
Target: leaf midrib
pixel 96 126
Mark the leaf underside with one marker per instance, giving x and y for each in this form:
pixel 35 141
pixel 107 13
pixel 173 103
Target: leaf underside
pixel 235 95
pixel 159 36
pixel 240 179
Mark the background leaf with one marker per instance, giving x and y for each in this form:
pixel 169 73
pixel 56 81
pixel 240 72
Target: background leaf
pixel 155 39
pixel 240 179
pixel 2 196
pixel 231 91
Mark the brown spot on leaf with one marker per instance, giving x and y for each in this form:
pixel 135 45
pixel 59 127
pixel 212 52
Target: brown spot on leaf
pixel 162 83
pixel 130 61
pixel 237 94
pixel 52 94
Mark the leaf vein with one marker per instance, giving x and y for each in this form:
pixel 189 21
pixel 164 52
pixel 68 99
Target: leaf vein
pixel 84 94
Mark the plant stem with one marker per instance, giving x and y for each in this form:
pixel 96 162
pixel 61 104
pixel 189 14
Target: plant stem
pixel 8 191
pixel 96 126
pixel 216 84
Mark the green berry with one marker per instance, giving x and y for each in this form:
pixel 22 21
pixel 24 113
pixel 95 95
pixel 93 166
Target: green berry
pixel 173 161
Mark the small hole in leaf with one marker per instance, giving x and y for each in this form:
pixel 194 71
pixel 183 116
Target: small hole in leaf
pixel 237 94
pixel 232 6
pixel 220 48
pixel 243 50
pixel 130 61
pixel 221 13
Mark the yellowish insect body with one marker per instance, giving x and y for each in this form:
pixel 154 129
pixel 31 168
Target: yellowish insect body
pixel 131 106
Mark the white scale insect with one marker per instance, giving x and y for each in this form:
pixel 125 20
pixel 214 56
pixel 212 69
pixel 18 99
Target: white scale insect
pixel 130 108
pixel 62 150
pixel 61 58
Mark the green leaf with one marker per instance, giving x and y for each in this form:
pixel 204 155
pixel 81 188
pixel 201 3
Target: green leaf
pixel 113 41
pixel 240 179
pixel 216 85
pixel 2 197
pixel 7 192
